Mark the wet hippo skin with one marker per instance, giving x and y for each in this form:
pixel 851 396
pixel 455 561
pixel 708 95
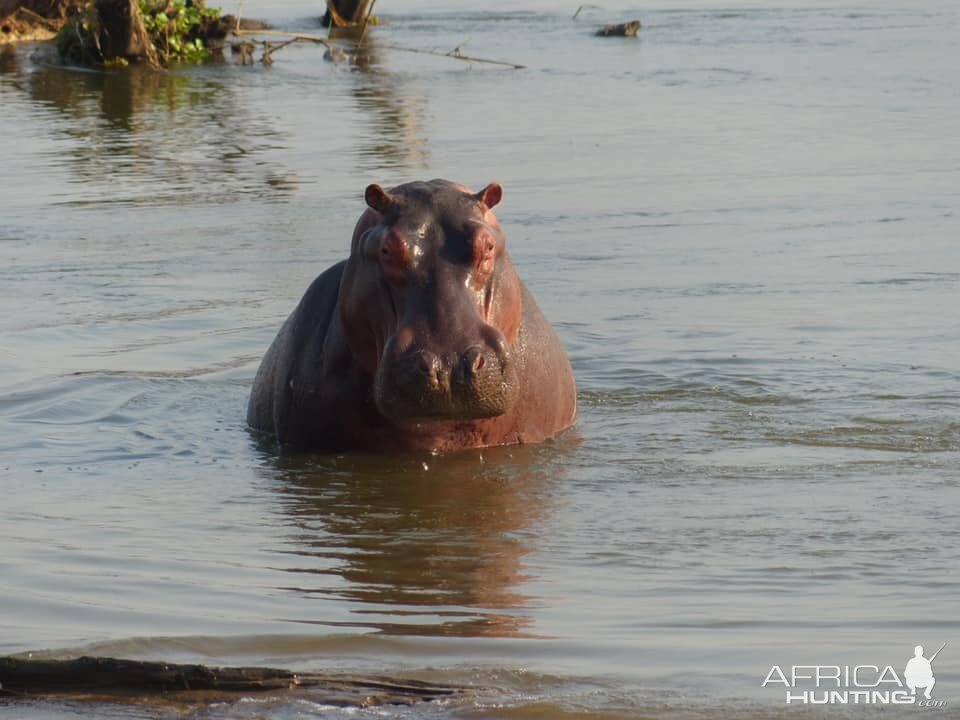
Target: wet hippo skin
pixel 423 339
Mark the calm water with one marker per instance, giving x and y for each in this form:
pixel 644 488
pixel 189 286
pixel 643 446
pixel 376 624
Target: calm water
pixel 744 227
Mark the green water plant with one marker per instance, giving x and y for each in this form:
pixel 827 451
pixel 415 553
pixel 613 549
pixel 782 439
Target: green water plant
pixel 161 32
pixel 176 27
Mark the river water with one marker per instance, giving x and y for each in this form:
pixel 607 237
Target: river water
pixel 743 225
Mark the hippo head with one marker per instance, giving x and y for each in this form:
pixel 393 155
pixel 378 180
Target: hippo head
pixel 430 302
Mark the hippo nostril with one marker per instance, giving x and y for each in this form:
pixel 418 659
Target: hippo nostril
pixel 473 361
pixel 431 369
pixel 496 341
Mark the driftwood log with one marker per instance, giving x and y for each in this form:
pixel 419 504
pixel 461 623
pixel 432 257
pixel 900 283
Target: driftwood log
pixel 100 677
pixel 122 34
pixel 627 29
pixel 345 13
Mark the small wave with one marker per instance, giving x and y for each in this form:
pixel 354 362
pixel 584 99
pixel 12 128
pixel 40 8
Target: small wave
pixel 739 391
pixel 919 278
pixel 65 402
pixel 881 435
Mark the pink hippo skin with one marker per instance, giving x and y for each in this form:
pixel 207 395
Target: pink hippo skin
pixel 423 339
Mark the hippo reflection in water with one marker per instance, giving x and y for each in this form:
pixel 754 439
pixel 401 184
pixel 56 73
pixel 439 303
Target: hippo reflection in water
pixel 423 339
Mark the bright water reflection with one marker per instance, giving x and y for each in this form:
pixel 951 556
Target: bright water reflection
pixel 419 546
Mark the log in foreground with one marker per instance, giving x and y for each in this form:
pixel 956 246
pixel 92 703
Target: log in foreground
pixel 113 678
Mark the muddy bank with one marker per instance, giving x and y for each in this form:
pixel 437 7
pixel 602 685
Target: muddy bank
pixel 27 20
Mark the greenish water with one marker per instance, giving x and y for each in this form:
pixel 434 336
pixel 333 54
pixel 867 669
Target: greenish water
pixel 743 226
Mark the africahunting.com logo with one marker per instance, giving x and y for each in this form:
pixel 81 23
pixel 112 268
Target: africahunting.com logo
pixel 859 684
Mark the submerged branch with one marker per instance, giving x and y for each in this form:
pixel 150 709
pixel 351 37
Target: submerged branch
pixel 291 35
pixel 269 50
pixel 456 54
pixel 366 22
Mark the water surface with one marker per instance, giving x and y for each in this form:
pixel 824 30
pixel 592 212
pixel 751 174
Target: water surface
pixel 743 226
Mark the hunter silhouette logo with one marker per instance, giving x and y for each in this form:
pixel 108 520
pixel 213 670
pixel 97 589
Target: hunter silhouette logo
pixel 919 671
pixel 859 684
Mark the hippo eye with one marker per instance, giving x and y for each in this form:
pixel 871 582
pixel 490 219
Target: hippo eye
pixel 484 247
pixel 394 253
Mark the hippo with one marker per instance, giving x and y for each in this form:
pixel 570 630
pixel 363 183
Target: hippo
pixel 424 338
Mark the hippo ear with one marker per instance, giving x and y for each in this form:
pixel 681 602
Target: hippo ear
pixel 490 195
pixel 378 198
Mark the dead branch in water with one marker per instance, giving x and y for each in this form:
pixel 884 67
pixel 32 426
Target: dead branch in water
pixel 269 50
pixel 456 54
pixel 292 36
pixel 113 677
pixel 584 7
pixel 366 21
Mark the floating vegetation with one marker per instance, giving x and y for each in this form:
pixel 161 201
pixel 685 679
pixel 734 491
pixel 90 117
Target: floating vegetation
pixel 158 32
pixel 178 28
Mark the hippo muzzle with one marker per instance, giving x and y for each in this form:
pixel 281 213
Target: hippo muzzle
pixel 469 381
